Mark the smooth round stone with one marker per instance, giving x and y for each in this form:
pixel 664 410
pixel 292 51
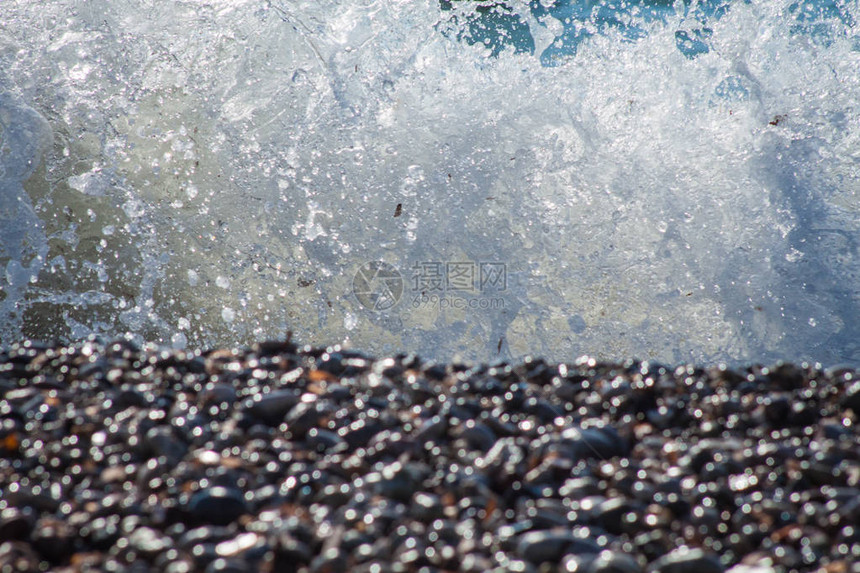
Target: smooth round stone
pixel 290 553
pixel 594 443
pixel 426 507
pixel 517 565
pixel 611 514
pixel 53 539
pixel 498 426
pixel 332 559
pixel 475 563
pixel 271 408
pixel 610 562
pixel 579 487
pixel 431 429
pixel 776 410
pixel 28 497
pixel 222 565
pixel 388 443
pixel 245 544
pixel 219 393
pixel 161 441
pixel 204 534
pixel 851 399
pixel 18 556
pixel 127 397
pixel 335 495
pixel 686 560
pixel 395 481
pixel 148 542
pixel 477 435
pixel 323 440
pixel 217 505
pixel 549 546
pixel 15 524
pixel 503 459
pixel 787 377
pixel 420 390
pixel 207 457
pixel 836 432
pixel 102 532
pixel 173 562
pixel 302 418
pixel 542 409
pixel 565 390
pixel 359 432
pixel 577 563
pixel 548 517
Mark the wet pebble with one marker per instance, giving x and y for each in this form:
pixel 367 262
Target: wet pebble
pixel 148 542
pixel 15 524
pixel 217 505
pixel 550 546
pixel 271 408
pixel 686 560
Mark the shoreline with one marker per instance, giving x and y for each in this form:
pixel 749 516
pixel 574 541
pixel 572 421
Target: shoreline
pixel 278 457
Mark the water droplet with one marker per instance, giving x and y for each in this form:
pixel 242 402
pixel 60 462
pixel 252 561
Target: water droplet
pixel 350 321
pixel 134 208
pixel 179 341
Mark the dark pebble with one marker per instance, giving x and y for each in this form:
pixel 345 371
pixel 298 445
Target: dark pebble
pixel 851 400
pixel 550 546
pixel 271 408
pixel 15 524
pixel 217 505
pixel 685 560
pixel 609 562
pixel 222 565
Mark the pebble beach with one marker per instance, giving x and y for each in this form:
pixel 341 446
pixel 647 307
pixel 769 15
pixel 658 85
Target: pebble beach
pixel 281 457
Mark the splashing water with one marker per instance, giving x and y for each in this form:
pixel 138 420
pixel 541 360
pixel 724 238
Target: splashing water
pixel 670 181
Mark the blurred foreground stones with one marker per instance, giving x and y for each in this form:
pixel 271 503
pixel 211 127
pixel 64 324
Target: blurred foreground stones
pixel 287 458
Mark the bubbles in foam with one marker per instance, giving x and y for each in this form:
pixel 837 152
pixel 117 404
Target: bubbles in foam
pixel 677 184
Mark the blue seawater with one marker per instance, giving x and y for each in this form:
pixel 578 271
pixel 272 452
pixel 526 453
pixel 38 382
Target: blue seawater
pixel 499 26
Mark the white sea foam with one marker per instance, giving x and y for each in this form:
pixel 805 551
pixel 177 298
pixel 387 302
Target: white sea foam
pixel 255 155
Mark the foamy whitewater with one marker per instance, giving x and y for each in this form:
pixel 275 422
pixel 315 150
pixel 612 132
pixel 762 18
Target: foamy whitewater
pixel 675 182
